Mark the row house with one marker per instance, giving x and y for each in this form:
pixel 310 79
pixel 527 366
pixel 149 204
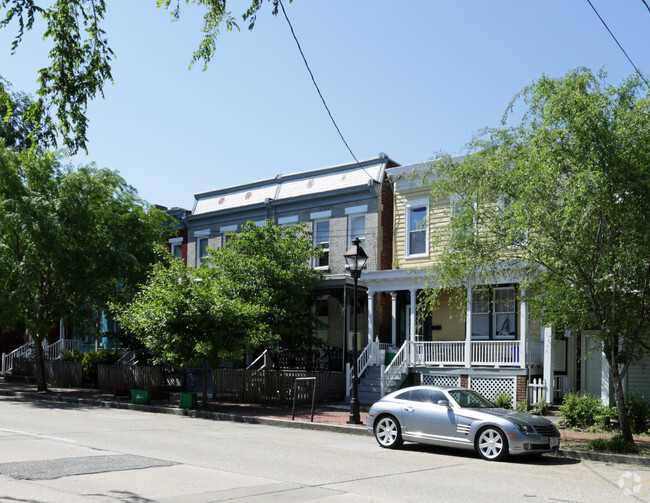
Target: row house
pixel 337 204
pixel 492 345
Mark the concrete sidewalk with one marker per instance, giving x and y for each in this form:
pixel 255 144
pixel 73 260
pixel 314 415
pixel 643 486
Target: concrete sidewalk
pixel 326 417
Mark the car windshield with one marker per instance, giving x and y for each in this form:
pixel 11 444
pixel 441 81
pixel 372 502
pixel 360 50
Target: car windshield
pixel 470 399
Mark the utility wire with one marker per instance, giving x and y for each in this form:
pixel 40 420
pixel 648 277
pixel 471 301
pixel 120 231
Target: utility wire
pixel 618 43
pixel 646 5
pixel 315 84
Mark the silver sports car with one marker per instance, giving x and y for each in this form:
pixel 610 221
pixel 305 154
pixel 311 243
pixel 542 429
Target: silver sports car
pixel 458 417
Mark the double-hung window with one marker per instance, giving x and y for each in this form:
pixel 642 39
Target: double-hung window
pixel 201 251
pixel 176 247
pixel 417 232
pixel 357 229
pixel 322 241
pixel 494 313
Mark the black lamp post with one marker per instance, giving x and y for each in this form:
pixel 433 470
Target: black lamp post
pixel 355 258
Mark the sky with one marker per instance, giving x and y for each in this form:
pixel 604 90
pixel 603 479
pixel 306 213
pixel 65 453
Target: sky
pixel 409 78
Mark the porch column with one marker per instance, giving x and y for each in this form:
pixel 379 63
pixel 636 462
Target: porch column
pixel 393 319
pixel 523 322
pixel 371 327
pixel 412 315
pixel 468 329
pixel 547 336
pixel 605 381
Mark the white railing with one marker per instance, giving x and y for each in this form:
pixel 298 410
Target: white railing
pixel 264 357
pixel 496 353
pixel 24 351
pixel 395 369
pixel 439 353
pixel 54 350
pixel 536 391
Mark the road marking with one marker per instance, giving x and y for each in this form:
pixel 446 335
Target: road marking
pixel 47 437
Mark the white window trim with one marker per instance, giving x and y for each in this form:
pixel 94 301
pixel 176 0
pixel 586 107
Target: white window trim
pixel 329 239
pixel 354 210
pixel 288 220
pixel 175 240
pixel 350 236
pixel 260 223
pixel 321 215
pixel 202 232
pixel 228 228
pixel 407 207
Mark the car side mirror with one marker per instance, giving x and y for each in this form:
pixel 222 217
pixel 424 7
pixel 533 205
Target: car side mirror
pixel 444 403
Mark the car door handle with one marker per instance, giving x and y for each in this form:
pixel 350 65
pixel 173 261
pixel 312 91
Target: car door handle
pixel 409 409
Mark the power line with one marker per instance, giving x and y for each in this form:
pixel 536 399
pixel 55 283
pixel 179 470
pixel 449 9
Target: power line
pixel 315 84
pixel 646 5
pixel 618 43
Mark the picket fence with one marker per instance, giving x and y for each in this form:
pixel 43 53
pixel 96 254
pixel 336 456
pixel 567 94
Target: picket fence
pixel 275 387
pixel 136 376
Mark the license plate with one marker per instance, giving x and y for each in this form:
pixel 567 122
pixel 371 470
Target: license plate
pixel 554 441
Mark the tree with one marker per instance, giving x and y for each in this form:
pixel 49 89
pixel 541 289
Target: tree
pixel 186 316
pixel 70 240
pixel 80 59
pixel 563 200
pixel 271 266
pixel 14 130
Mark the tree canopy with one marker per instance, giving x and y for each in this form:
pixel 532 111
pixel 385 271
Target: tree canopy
pixel 80 58
pixel 70 240
pixel 560 201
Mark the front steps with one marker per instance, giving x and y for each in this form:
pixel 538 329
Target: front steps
pixel 370 385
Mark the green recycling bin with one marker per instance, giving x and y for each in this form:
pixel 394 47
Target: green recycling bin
pixel 141 396
pixel 187 401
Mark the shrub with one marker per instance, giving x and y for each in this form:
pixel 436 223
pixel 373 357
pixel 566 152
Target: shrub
pixel 503 400
pixel 580 411
pixel 607 417
pixel 617 445
pixel 638 412
pixel 542 407
pixel 92 360
pixel 74 355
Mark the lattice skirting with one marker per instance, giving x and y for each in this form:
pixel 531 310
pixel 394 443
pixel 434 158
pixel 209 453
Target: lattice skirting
pixel 490 387
pixel 440 380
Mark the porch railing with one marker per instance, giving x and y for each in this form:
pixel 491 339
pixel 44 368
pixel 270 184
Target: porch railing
pixel 439 353
pixel 24 351
pixel 395 369
pixel 496 353
pixel 53 351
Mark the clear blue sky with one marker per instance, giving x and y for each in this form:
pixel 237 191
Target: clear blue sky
pixel 408 78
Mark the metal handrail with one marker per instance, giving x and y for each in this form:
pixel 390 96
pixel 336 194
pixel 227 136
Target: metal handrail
pixel 396 367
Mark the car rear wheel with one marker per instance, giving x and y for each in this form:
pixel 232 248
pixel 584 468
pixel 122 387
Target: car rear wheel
pixel 491 444
pixel 387 432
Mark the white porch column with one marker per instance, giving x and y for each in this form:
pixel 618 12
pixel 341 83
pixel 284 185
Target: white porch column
pixel 605 381
pixel 468 329
pixel 412 315
pixel 547 336
pixel 523 323
pixel 371 305
pixel 393 319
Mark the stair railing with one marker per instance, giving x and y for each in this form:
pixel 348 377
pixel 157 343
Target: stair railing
pixel 396 368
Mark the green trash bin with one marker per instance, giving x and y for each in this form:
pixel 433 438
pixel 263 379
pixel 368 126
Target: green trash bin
pixel 141 396
pixel 187 401
pixel 389 357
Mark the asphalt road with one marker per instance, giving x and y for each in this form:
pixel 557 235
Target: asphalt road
pixel 51 452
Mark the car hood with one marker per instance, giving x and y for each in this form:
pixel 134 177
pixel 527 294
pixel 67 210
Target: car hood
pixel 509 415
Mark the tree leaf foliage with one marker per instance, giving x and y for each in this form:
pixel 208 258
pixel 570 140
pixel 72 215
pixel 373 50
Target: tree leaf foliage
pixel 560 203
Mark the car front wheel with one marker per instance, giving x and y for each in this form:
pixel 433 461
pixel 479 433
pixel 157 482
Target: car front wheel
pixel 387 432
pixel 491 444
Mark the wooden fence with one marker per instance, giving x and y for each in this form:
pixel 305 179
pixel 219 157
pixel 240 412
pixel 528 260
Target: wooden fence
pixel 137 376
pixel 275 387
pixel 57 372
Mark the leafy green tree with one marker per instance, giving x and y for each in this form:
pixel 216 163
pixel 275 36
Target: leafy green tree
pixel 271 266
pixel 187 316
pixel 562 201
pixel 14 130
pixel 70 240
pixel 80 58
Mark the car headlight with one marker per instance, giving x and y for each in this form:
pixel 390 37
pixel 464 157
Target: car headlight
pixel 524 428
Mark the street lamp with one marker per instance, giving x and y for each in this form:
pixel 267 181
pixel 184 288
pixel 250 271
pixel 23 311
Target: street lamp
pixel 355 258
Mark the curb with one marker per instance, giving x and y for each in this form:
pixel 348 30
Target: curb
pixel 199 414
pixel 285 423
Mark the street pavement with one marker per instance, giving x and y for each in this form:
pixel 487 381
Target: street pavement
pixel 330 417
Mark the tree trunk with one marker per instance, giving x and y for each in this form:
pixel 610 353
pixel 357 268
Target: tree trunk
pixel 619 398
pixel 41 382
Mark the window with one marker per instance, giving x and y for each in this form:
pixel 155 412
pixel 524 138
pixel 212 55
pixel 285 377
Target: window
pixel 494 314
pixel 416 229
pixel 357 229
pixel 322 240
pixel 201 251
pixel 177 250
